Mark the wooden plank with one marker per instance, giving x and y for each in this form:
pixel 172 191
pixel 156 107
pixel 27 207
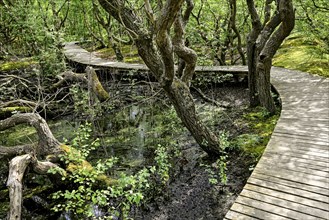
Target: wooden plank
pixel 300 177
pixel 288 126
pixel 294 128
pixel 297 198
pixel 278 141
pixel 272 164
pixel 290 190
pixel 311 213
pixel 77 54
pixel 273 179
pixel 269 152
pixel 273 208
pixel 290 148
pixel 282 158
pixel 232 215
pixel 322 141
pixel 299 142
pixel 255 213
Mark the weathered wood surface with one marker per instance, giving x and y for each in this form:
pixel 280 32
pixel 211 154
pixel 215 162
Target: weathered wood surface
pixel 76 54
pixel 291 180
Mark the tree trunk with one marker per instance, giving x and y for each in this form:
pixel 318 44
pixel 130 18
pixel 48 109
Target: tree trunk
pixel 180 96
pixel 157 50
pixel 264 85
pixel 47 144
pixel 252 73
pixel 263 42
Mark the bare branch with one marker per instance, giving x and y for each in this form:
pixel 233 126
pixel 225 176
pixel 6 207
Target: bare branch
pixel 149 11
pixel 47 142
pixel 255 20
pixel 8 152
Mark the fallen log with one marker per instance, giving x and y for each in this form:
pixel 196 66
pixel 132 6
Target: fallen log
pixel 48 147
pixel 17 167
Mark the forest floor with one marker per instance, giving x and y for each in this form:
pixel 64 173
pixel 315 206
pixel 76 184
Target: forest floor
pixel 190 194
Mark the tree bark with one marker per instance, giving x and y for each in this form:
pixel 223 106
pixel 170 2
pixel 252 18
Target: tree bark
pixel 263 42
pixel 10 152
pixel 17 168
pixel 179 94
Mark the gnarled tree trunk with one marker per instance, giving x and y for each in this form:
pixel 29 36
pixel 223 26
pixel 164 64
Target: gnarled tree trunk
pixel 263 42
pixel 157 48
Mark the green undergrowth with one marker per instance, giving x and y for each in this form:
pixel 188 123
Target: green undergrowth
pixel 305 54
pixel 17 64
pixel 262 125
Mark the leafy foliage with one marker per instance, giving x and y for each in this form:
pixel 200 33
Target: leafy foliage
pixel 87 193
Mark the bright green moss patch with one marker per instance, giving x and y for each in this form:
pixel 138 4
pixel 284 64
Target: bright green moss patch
pixel 19 64
pixel 262 125
pixel 303 54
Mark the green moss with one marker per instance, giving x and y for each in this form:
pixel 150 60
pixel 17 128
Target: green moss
pixel 15 109
pixel 14 65
pixel 133 59
pixel 303 54
pixel 262 125
pixel 20 134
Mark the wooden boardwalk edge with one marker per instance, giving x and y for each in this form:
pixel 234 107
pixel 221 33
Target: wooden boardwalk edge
pixel 291 180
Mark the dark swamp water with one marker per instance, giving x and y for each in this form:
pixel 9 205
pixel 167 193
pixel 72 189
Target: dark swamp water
pixel 138 121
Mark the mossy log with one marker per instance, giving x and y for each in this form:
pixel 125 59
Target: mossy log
pixel 91 80
pixel 96 85
pixel 48 145
pixel 8 111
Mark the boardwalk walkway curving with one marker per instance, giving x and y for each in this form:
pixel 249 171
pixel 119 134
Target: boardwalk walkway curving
pixel 291 180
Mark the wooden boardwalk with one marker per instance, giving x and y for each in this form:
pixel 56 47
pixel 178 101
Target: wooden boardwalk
pixel 291 180
pixel 76 54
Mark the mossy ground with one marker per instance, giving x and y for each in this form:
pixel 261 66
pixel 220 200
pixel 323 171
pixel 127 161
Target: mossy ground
pixel 301 53
pixel 17 64
pixel 261 125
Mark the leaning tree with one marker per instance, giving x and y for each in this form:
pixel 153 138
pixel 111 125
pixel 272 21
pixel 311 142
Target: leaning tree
pixel 263 41
pixel 158 31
